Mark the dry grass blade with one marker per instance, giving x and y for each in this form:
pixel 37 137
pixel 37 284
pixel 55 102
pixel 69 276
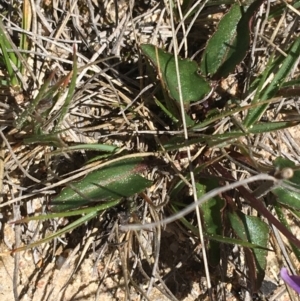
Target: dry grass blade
pixel 186 137
pixel 155 244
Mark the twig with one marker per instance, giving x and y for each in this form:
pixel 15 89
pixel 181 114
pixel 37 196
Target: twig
pixel 211 194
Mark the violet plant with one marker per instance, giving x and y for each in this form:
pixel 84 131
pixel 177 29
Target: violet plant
pixel 291 280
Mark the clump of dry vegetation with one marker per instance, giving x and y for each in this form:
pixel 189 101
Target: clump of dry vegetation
pixel 149 149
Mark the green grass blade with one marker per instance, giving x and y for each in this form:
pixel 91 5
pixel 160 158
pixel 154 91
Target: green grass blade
pixel 165 110
pixel 279 77
pixel 46 139
pixel 223 139
pixel 215 116
pixel 42 217
pixel 93 147
pixel 26 24
pixel 66 229
pixel 43 94
pixel 9 58
pixel 265 127
pixel 71 90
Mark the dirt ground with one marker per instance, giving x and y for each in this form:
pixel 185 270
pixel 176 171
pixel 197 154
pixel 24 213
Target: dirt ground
pixel 50 277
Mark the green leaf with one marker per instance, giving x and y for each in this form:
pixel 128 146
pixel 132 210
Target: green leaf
pixel 288 193
pixel 222 43
pixel 234 241
pixel 194 87
pixel 228 46
pixel 212 217
pixel 281 163
pixel 216 237
pixel 114 181
pixel 288 197
pixel 254 230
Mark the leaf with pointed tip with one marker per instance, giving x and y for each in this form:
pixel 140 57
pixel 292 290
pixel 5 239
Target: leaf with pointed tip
pixel 289 193
pixel 114 181
pixel 254 230
pixel 228 46
pixel 193 86
pixel 212 217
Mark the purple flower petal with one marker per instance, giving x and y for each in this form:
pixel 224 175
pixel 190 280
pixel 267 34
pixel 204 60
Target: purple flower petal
pixel 293 281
